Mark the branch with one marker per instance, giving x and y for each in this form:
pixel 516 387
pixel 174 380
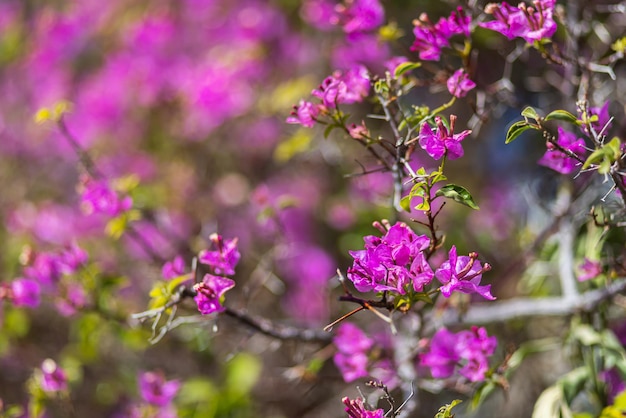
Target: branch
pixel 281 332
pixel 529 307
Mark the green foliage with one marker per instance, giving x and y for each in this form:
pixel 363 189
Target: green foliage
pixel 562 115
pixel 605 156
pixel 300 142
pixel 458 194
pixel 516 130
pixel 446 410
pixel 406 67
pixel 201 398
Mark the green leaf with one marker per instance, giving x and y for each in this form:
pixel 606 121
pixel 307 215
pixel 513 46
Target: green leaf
pixel 405 203
pixel 562 115
pixel 177 281
pixel 446 410
pixel 516 130
pixel 299 143
pixel 424 206
pixel 328 130
pixel 405 67
pixel 458 194
pixel 530 112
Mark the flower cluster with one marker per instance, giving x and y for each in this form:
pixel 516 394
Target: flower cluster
pixel 352 347
pixel 396 262
pixel 431 38
pixel 392 262
pixel 559 161
pixel 44 271
pixel 356 409
pixel 358 16
pixel 349 86
pixel 531 24
pixel 222 260
pixel 468 349
pixel 442 141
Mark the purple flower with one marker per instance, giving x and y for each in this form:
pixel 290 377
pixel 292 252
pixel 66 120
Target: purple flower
pixel 603 123
pixel 475 346
pixel 462 274
pixel 468 349
pixel 358 131
pixel 174 268
pixel 73 258
pixel 442 142
pixel 350 339
pixel 75 299
pixel 589 270
pixel 319 13
pixel 347 87
pixel 225 256
pixel 155 390
pixel 361 15
pixel 53 378
pixel 46 269
pixel 392 262
pixel 431 38
pixel 25 292
pixel 352 366
pixel 459 84
pixel 352 347
pixel 442 356
pixel 531 24
pixel 209 292
pixel 304 114
pixel 99 197
pixel 558 160
pixel 356 409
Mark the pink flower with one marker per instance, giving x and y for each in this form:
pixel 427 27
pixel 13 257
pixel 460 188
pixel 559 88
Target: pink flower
pixel 468 349
pixel 99 197
pixel 53 378
pixel 531 24
pixel 352 347
pixel 209 292
pixel 589 270
pixel 347 87
pixel 25 292
pixel 462 274
pixel 356 409
pixel 442 142
pixel 304 114
pixel 155 390
pixel 174 268
pixel 459 84
pixel 361 16
pixel 558 160
pixel 431 38
pixel 223 258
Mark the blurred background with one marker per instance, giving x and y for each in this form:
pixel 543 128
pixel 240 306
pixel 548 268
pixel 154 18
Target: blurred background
pixel 185 103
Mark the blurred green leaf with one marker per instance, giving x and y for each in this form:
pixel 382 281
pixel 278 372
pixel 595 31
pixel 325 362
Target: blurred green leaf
pixel 405 67
pixel 242 373
pixel 446 410
pixel 299 143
